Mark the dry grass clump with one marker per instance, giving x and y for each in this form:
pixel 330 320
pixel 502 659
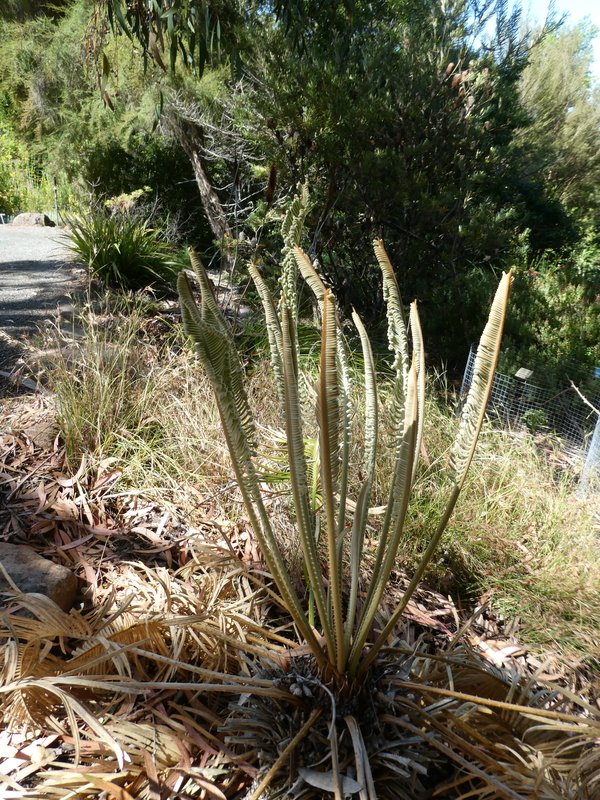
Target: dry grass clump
pixel 128 389
pixel 521 537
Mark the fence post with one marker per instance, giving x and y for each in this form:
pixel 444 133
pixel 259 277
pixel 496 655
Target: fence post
pixel 590 475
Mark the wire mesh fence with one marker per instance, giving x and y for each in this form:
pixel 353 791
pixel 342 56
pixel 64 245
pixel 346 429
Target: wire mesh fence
pixel 555 410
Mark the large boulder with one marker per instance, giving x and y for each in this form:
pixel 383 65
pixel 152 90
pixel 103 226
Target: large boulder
pixel 41 220
pixel 32 573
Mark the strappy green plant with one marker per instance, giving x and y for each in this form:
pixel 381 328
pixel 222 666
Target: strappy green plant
pixel 344 651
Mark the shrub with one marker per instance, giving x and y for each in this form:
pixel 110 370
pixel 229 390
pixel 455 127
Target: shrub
pixel 112 167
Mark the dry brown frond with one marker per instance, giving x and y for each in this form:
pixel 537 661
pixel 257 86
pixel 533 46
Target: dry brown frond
pixel 119 685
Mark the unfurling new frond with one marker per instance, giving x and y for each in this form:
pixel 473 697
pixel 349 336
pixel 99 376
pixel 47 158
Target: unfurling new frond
pixel 291 231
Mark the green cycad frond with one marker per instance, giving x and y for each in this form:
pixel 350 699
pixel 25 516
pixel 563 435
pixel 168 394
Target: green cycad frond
pixel 319 289
pixel 362 504
pixel 371 400
pixel 273 330
pixel 224 370
pixel 464 446
pixel 419 356
pixel 345 412
pixel 210 308
pixel 298 473
pixel 328 416
pixel 291 227
pixel 397 338
pixel 394 521
pixel 407 407
pixel 284 351
pixel 483 375
pixel 222 352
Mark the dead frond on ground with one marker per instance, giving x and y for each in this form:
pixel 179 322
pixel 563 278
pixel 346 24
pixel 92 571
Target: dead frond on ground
pixel 111 690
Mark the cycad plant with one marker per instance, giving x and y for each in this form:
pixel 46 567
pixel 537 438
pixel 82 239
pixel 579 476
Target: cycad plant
pixel 343 730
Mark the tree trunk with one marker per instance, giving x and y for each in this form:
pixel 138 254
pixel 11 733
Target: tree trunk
pixel 191 136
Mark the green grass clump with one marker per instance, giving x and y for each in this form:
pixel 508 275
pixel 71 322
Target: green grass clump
pixel 121 250
pixel 520 536
pixel 123 392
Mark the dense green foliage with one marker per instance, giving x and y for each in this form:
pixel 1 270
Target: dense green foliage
pixel 54 124
pixel 561 140
pixel 469 149
pixel 411 140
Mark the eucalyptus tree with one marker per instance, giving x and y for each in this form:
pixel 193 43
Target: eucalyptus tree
pixel 396 112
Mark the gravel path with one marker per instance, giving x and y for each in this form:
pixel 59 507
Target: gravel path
pixel 35 279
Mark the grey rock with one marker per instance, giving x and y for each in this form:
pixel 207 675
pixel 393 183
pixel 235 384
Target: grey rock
pixel 42 433
pixel 33 219
pixel 32 573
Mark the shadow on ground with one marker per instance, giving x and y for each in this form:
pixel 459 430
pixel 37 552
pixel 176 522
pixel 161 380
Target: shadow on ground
pixel 35 283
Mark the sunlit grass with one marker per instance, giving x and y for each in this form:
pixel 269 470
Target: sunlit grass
pixel 520 536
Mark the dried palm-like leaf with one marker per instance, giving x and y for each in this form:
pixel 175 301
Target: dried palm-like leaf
pixel 108 692
pixel 530 748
